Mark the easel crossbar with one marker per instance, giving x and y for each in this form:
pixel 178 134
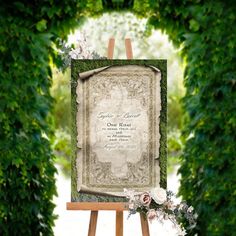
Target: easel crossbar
pixel 97 206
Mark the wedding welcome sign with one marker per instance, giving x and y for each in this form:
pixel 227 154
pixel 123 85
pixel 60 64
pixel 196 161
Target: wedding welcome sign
pixel 118 128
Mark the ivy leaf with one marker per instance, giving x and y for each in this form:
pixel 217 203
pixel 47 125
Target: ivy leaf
pixel 193 25
pixel 17 162
pixel 41 25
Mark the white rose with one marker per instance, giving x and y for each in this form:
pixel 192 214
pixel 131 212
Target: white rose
pixel 159 195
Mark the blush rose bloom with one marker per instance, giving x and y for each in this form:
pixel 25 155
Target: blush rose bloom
pixel 145 199
pixel 151 215
pixel 159 195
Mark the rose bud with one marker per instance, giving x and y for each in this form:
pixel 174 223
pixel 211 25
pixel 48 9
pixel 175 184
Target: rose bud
pixel 151 215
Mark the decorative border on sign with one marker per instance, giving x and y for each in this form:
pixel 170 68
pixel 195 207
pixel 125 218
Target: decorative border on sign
pixel 146 157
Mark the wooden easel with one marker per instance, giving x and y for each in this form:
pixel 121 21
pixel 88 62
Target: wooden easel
pixel 119 207
pixel 128 48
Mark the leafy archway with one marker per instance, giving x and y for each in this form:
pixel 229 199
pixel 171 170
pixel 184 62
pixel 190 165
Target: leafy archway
pixel 29 32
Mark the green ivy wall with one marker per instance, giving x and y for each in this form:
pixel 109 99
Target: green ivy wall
pixel 29 31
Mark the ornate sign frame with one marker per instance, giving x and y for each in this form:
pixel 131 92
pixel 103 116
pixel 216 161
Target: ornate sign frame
pixel 88 87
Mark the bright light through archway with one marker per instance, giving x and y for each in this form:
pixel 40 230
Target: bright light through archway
pixel 97 32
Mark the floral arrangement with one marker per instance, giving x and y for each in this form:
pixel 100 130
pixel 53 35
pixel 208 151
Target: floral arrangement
pixel 159 204
pixel 79 50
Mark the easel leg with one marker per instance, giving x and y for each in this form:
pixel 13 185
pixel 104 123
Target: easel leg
pixel 93 223
pixel 144 225
pixel 119 223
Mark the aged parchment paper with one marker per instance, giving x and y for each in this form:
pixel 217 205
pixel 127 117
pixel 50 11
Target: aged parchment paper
pixel 118 129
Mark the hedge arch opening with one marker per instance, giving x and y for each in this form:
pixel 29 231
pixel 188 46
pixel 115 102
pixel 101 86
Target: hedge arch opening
pixel 28 34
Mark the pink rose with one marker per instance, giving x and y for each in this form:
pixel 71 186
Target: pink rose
pixel 151 215
pixel 145 199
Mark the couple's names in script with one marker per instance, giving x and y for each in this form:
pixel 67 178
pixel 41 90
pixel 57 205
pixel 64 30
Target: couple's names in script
pixel 127 115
